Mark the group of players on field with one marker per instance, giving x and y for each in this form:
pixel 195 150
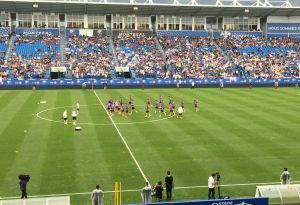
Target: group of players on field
pixel 126 109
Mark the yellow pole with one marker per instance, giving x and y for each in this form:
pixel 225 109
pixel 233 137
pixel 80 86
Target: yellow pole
pixel 120 189
pixel 116 195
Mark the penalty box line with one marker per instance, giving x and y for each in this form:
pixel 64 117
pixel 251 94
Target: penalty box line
pixel 138 190
pixel 123 139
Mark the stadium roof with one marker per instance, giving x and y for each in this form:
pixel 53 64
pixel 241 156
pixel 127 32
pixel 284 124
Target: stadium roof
pixel 260 8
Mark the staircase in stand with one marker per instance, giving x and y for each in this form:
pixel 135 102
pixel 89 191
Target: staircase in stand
pixel 10 47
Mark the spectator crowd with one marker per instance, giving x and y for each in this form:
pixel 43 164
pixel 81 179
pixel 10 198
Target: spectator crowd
pixel 89 57
pixel 149 56
pixel 139 52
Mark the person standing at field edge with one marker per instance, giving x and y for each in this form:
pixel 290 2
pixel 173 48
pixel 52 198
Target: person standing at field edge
pixel 97 196
pixel 169 185
pixel 146 193
pixel 285 177
pixel 211 186
pixel 23 185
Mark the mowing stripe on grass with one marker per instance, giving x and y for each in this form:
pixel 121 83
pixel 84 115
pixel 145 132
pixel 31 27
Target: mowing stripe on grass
pixel 138 190
pixel 117 129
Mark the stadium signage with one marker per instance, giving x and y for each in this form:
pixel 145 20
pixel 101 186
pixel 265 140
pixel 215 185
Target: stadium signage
pixel 37 31
pixel 238 34
pixel 244 201
pixel 223 203
pixel 183 33
pixel 283 28
pixel 138 82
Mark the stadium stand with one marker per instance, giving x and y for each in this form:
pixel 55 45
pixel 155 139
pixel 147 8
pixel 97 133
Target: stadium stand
pixel 260 58
pixel 140 53
pixel 89 57
pixel 194 57
pixel 188 55
pixel 33 55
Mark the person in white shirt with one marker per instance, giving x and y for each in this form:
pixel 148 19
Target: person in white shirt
pixel 146 193
pixel 77 107
pixel 97 196
pixel 74 116
pixel 211 186
pixel 65 116
pixel 285 177
pixel 180 112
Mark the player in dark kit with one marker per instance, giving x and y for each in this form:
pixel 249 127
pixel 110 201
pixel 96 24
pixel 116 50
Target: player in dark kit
pixel 160 99
pixel 156 106
pixel 170 100
pixel 172 107
pixel 147 110
pixel 132 107
pixel 196 105
pixel 162 109
pixel 148 101
pixel 117 105
pixel 126 110
pixel 122 110
pixel 121 101
pixel 130 100
pixel 182 105
pixel 108 106
pixel 112 108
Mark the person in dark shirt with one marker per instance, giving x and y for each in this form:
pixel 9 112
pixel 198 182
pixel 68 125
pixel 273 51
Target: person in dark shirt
pixel 158 189
pixel 169 185
pixel 23 184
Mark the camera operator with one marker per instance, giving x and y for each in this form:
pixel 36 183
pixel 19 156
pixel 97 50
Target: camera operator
pixel 23 185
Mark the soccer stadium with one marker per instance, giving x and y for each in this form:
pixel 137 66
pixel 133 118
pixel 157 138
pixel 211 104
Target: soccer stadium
pixel 182 102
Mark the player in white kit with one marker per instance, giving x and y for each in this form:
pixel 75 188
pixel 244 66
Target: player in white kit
pixel 74 117
pixel 180 112
pixel 65 117
pixel 77 107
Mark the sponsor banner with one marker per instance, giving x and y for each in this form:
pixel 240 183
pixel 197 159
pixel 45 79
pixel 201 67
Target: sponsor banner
pixel 277 35
pixel 237 34
pixel 182 33
pixel 117 31
pixel 4 30
pixel 161 82
pixel 37 31
pixel 244 201
pixel 287 28
pixel 295 35
pixel 58 69
pixel 70 31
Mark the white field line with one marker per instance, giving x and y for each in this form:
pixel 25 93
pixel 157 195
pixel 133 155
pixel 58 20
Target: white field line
pixel 138 190
pixel 125 143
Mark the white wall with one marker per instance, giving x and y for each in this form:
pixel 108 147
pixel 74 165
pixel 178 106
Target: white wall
pixel 283 19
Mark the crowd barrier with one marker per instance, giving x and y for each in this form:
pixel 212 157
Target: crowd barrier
pixel 132 83
pixel 243 201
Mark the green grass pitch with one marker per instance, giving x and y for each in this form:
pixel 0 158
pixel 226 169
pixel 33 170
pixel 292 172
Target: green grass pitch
pixel 248 135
